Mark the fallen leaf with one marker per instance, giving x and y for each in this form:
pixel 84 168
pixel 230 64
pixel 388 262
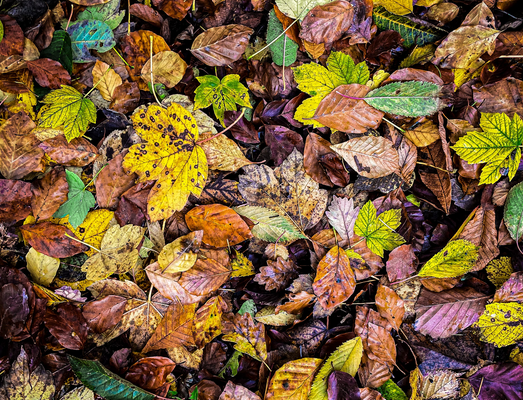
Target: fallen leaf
pixel 327 23
pixel 168 68
pixel 204 277
pixel 222 153
pixel 293 379
pixel 277 275
pixel 41 267
pixel 390 306
pixel 67 325
pixel 500 324
pixel 16 200
pixel 248 336
pixel 237 392
pixel 112 182
pixel 79 201
pixel 207 322
pixel 49 193
pixel 457 258
pixel 49 73
pixel 342 386
pixel 150 373
pixel 51 240
pixel 106 80
pixel 73 153
pixel 498 381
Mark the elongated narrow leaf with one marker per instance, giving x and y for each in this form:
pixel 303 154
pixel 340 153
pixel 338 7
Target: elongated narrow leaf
pixel 105 383
pixel 513 213
pixel 411 99
pixel 284 50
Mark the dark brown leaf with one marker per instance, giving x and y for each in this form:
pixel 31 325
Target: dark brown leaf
pixel 51 240
pixel 76 153
pixel 49 73
pixel 67 325
pixel 105 313
pixel 112 182
pixel 282 142
pixel 16 200
pixel 147 14
pixel 150 372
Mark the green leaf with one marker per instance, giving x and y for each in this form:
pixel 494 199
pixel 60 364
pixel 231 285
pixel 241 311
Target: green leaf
pixel 232 364
pixel 390 391
pixel 90 35
pixel 105 383
pixel 283 50
pixel 342 65
pixel 108 12
pixel 419 55
pixel 315 79
pixel 269 225
pixel 194 394
pixel 411 99
pixel 498 145
pixel 412 33
pixel 67 108
pixel 346 358
pixel 60 50
pixel 1 31
pixel 222 95
pixel 298 9
pixel 513 212
pixel 455 259
pixel 78 203
pixel 248 307
pixel 379 230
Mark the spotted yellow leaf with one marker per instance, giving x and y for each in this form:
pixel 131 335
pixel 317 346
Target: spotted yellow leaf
pixel 93 229
pixel 501 324
pixel 169 155
pixel 241 266
pixel 293 380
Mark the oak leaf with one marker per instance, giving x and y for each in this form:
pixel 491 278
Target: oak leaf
pixel 277 275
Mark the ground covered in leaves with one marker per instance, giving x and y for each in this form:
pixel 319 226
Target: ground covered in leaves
pixel 256 199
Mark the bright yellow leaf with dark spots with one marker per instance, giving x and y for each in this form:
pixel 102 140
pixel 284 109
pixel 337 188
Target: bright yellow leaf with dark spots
pixel 498 271
pixel 208 321
pixel 501 324
pixel 455 259
pixel 93 229
pixel 241 266
pixel 169 155
pixel 293 380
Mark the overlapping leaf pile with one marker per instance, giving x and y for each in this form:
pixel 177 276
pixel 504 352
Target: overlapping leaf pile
pixel 296 199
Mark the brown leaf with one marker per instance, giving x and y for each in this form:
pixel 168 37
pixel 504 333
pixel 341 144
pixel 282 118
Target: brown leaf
pixel 297 302
pixel 112 182
pixel 436 180
pixel 49 193
pixel 369 156
pixel 174 330
pixel 277 275
pixel 49 73
pixel 402 263
pixel 325 172
pixel 14 308
pixel 176 9
pixel 335 281
pixel 369 394
pixel 443 314
pixel 439 284
pixel 67 325
pixel 221 45
pixel 390 306
pixel 373 373
pixel 248 336
pixel 237 392
pixel 13 41
pixel 370 265
pixel 481 230
pixel 50 239
pixel 221 226
pixel 348 115
pixel 423 134
pixel 327 23
pixel 443 12
pixel 126 98
pixel 147 14
pixel 204 277
pixel 19 151
pixel 16 200
pixel 511 291
pixel 77 153
pixel 500 97
pixel 150 373
pixel 105 313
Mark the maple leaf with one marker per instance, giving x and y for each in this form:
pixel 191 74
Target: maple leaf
pixel 170 156
pixel 378 230
pixel 498 145
pixel 222 95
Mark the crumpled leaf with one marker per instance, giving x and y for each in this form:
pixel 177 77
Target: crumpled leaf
pixel 79 201
pixel 174 160
pixel 150 373
pixel 277 275
pixel 457 258
pixel 293 380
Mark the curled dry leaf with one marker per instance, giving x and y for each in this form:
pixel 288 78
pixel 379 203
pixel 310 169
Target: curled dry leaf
pixel 221 45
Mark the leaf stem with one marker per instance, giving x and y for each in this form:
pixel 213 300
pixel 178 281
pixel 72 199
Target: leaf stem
pixel 70 16
pixel 81 241
pixel 405 280
pixel 432 166
pixel 273 41
pixel 349 97
pixel 394 125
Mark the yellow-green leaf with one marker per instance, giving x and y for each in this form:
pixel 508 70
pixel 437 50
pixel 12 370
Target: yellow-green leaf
pixel 170 156
pixel 398 7
pixel 41 267
pixel 455 259
pixel 501 324
pixel 68 109
pixel 379 230
pixel 498 271
pixel 293 380
pixel 345 358
pixel 307 109
pixel 241 266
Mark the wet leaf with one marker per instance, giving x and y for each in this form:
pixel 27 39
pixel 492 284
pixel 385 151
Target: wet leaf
pixel 327 23
pixel 502 380
pixel 150 373
pixel 67 325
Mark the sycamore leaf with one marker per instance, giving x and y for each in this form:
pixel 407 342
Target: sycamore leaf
pixel 379 230
pixel 501 324
pixel 170 155
pixel 79 201
pixel 345 358
pixel 269 225
pixel 513 212
pixel 498 145
pixel 398 7
pixel 284 50
pixel 106 383
pixel 292 381
pixel 41 267
pixel 222 95
pixel 455 259
pixel 68 109
pixel 411 99
pixel 298 9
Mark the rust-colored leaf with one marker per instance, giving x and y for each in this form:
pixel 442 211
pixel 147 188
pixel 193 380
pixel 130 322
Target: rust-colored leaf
pixel 147 14
pixel 204 277
pixel 112 182
pixel 51 240
pixel 16 200
pixel 390 306
pixel 150 372
pixel 49 73
pixel 327 23
pixel 67 325
pixel 49 193
pixel 76 153
pixel 105 313
pixel 437 180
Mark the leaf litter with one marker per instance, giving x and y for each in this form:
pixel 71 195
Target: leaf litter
pixel 221 200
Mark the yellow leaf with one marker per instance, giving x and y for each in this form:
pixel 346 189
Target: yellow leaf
pixel 398 7
pixel 52 298
pixel 455 259
pixel 498 271
pixel 170 156
pixel 416 382
pixel 93 229
pixel 69 109
pixel 241 266
pixel 223 154
pixel 306 110
pixel 501 324
pixel 419 55
pixel 106 80
pixel 248 336
pixel 293 380
pixel 208 321
pixel 423 135
pixel 183 357
pixel 80 393
pixel 118 253
pixel 463 75
pixel 378 77
pixel 268 316
pixel 345 358
pixel 168 68
pixel 179 256
pixel 42 268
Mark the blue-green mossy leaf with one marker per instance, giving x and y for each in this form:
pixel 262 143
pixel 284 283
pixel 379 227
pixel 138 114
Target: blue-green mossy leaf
pixel 90 35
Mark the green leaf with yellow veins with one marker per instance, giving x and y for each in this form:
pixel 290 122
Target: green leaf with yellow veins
pixel 68 109
pixel 306 111
pixel 498 271
pixel 498 145
pixel 455 259
pixel 346 358
pixel 501 324
pixel 379 230
pixel 223 96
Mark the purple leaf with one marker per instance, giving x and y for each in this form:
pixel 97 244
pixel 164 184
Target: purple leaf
pixel 342 386
pixel 502 381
